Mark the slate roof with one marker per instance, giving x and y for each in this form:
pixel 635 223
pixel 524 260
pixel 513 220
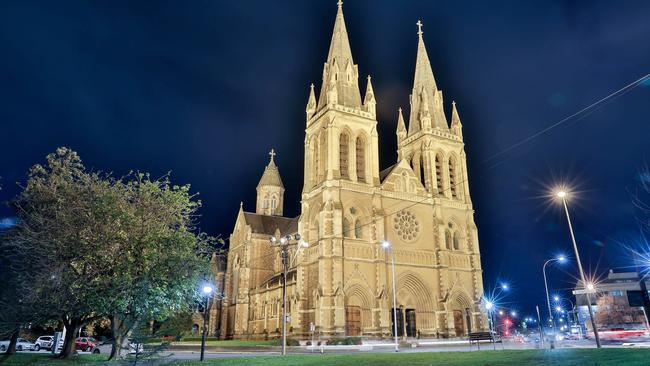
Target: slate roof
pixel 266 224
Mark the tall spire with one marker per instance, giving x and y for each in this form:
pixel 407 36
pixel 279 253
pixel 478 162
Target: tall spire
pixel 425 95
pixel 340 74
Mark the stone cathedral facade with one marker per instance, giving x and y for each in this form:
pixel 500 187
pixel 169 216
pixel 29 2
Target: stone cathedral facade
pixel 342 283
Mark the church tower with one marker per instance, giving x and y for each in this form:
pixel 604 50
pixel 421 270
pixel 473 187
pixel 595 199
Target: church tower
pixel 270 190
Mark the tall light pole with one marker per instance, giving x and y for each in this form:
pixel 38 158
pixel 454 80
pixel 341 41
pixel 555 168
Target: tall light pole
pixel 386 245
pixel 548 301
pixel 562 195
pixel 284 243
pixel 207 290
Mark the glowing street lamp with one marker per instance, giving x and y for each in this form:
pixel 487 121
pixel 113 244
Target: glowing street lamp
pixel 562 195
pixel 207 290
pixel 386 245
pixel 559 259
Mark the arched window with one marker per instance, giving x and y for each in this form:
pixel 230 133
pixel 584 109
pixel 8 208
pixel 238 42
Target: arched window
pixel 322 162
pixel 347 230
pixel 358 232
pixel 456 241
pixel 266 201
pixel 274 204
pixel 448 239
pixel 439 174
pixel 452 177
pixel 313 148
pixel 344 155
pixel 361 159
pixel 422 171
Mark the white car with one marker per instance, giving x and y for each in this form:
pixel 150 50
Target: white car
pixel 21 345
pixel 44 342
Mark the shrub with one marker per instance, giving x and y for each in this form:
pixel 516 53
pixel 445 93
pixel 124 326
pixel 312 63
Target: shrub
pixel 290 342
pixel 344 341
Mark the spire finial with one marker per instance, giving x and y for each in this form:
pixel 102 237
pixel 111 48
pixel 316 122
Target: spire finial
pixel 272 154
pixel 419 24
pixel 340 4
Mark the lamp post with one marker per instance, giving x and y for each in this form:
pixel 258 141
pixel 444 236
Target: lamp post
pixel 548 301
pixel 489 306
pixel 207 290
pixel 284 243
pixel 562 195
pixel 386 245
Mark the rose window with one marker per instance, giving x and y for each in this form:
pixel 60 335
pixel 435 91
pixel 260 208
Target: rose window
pixel 406 226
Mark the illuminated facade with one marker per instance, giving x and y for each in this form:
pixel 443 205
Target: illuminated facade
pixel 341 284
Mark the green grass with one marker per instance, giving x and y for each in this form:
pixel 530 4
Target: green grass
pixel 43 359
pixel 563 357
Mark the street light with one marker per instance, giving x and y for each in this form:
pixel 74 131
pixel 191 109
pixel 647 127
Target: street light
pixel 207 290
pixel 563 195
pixel 386 245
pixel 284 243
pixel 560 259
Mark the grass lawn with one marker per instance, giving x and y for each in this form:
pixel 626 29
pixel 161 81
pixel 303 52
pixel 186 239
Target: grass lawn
pixel 44 359
pixel 563 357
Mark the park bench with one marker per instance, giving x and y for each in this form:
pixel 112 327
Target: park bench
pixel 480 336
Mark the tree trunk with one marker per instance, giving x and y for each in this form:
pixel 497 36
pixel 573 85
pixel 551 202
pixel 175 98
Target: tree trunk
pixel 121 329
pixel 117 337
pixel 71 329
pixel 12 342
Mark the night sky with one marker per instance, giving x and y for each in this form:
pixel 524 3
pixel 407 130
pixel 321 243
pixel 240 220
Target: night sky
pixel 204 89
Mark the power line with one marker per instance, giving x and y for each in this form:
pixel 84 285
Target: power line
pixel 617 93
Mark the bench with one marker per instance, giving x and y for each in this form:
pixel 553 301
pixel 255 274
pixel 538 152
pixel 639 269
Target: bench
pixel 480 336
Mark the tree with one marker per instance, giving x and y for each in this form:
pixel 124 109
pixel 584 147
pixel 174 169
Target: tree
pixel 614 311
pixel 68 220
pixel 161 259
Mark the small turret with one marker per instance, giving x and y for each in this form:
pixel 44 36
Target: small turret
pixel 369 102
pixel 311 103
pixel 401 132
pixel 456 126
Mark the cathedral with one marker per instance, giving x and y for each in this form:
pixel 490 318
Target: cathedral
pixel 340 280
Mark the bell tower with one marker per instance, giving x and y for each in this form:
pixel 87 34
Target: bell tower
pixel 270 190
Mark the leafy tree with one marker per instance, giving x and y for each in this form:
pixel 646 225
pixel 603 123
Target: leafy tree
pixel 161 261
pixel 67 223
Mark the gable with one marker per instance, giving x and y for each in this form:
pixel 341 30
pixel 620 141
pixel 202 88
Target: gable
pixel 401 178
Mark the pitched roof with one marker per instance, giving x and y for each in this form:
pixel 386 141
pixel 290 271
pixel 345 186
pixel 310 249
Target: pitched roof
pixel 384 173
pixel 271 176
pixel 266 224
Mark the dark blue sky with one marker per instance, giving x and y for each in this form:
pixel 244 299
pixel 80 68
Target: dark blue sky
pixel 205 88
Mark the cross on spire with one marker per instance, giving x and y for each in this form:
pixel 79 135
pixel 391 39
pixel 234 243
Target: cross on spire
pixel 419 24
pixel 340 4
pixel 272 154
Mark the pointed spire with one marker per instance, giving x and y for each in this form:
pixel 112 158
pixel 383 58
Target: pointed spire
pixel 369 100
pixel 340 74
pixel 424 91
pixel 456 126
pixel 271 176
pixel 401 127
pixel 311 103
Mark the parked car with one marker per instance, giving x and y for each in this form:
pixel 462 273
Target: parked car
pixel 44 342
pixel 86 344
pixel 21 345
